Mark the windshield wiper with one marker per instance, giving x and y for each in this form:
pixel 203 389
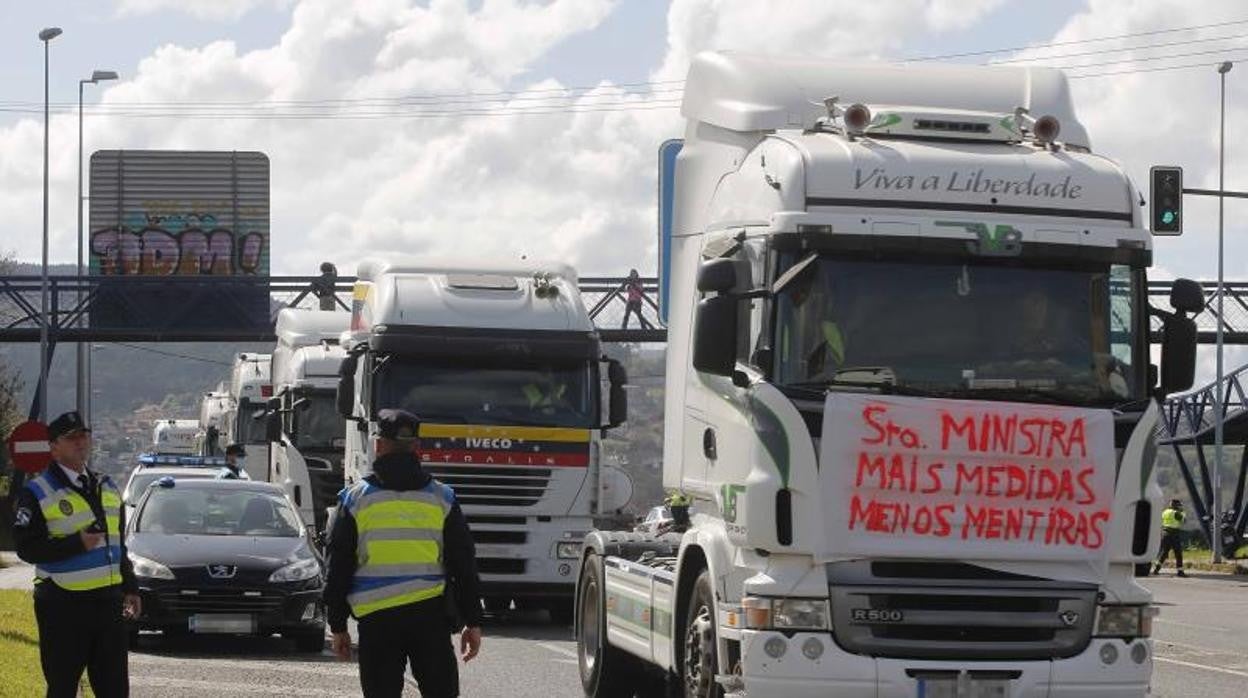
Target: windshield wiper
pixel 1053 396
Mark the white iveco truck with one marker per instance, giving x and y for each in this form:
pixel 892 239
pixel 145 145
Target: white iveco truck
pixel 215 408
pixel 305 431
pixel 503 365
pixel 909 393
pixel 250 389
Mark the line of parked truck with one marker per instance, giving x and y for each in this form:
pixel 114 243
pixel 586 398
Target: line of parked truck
pixel 908 393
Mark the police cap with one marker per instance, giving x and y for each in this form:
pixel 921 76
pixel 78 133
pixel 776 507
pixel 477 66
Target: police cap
pixel 67 423
pixel 398 425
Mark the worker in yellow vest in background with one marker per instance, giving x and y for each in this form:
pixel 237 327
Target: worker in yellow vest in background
pixel 1172 536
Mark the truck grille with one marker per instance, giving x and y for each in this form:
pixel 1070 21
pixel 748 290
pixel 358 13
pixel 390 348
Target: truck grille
pixel 1007 617
pixel 506 486
pixel 219 601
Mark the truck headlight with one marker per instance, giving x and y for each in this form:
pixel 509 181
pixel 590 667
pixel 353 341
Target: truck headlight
pixel 149 569
pixel 1125 621
pixel 297 571
pixel 568 549
pixel 762 613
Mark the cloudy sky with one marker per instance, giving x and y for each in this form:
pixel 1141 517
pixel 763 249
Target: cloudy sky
pixel 530 127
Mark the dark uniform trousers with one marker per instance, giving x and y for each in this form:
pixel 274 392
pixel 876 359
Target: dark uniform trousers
pixel 415 634
pixel 82 630
pixel 1171 539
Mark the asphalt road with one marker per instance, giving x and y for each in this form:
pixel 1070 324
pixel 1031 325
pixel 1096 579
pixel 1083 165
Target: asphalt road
pixel 521 657
pixel 1201 638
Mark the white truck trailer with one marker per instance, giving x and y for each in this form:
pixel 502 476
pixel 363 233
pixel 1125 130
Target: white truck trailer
pixel 909 393
pixel 175 437
pixel 304 428
pixel 503 365
pixel 250 389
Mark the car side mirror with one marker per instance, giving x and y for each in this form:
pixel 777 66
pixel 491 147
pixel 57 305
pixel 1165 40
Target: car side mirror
pixel 344 399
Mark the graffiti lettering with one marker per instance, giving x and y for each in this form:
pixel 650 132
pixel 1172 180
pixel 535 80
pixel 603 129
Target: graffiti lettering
pixel 157 251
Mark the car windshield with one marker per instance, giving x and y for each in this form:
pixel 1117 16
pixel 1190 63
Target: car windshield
pixel 317 423
pixel 555 394
pixel 140 480
pixel 202 511
pixel 961 329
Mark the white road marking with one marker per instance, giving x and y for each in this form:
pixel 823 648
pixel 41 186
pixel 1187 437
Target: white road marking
pixel 221 688
pixel 559 650
pixel 1206 667
pixel 1193 625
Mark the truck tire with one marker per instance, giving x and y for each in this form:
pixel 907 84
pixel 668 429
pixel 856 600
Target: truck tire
pixel 606 671
pixel 700 649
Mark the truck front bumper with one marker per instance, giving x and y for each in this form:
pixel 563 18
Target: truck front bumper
pixel 838 673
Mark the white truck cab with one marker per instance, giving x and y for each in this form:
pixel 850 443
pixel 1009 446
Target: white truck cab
pixel 502 363
pixel 304 429
pixel 908 391
pixel 175 436
pixel 250 389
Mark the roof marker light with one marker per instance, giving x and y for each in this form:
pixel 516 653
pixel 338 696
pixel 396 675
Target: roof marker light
pixel 857 118
pixel 1046 129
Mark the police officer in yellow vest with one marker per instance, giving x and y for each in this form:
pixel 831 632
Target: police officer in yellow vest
pixel 68 524
pixel 399 539
pixel 1172 536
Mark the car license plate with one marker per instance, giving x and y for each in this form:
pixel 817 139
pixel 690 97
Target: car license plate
pixel 221 623
pixel 952 687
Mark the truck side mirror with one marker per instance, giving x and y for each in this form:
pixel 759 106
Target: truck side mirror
pixel 1187 296
pixel 1178 341
pixel 617 410
pixel 715 336
pixel 273 426
pixel 344 399
pixel 715 324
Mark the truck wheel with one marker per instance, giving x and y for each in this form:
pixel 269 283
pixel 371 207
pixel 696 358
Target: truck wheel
pixel 606 671
pixel 700 659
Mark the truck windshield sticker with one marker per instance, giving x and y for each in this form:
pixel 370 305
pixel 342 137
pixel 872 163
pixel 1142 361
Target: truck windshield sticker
pixel 993 481
pixel 998 241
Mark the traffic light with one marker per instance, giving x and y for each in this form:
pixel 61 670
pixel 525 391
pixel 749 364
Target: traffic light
pixel 1166 199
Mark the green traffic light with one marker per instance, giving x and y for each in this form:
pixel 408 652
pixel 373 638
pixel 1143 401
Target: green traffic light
pixel 1168 217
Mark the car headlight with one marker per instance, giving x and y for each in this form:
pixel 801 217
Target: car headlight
pixel 297 571
pixel 785 614
pixel 150 569
pixel 1125 621
pixel 568 549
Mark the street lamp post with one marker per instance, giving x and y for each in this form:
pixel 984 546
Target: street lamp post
pixel 84 356
pixel 46 36
pixel 1219 401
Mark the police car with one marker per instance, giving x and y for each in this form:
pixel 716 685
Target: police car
pixel 152 467
pixel 217 556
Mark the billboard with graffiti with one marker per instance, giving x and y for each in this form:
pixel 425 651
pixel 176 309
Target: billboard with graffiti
pixel 196 219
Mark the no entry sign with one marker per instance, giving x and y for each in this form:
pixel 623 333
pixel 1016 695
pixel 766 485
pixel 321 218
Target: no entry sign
pixel 28 446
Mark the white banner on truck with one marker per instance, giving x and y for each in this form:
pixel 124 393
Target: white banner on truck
pixel 966 480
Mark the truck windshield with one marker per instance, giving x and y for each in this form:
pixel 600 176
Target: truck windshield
pixel 963 329
pixel 316 422
pixel 519 393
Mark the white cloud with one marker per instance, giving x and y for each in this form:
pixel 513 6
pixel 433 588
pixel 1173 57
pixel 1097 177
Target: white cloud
pixel 216 10
pixel 575 186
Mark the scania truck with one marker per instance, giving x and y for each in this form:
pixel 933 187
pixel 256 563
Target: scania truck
pixel 908 394
pixel 250 389
pixel 305 431
pixel 503 365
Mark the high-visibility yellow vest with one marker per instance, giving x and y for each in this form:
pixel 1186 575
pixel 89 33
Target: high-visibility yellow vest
pixel 399 553
pixel 539 398
pixel 1171 518
pixel 67 513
